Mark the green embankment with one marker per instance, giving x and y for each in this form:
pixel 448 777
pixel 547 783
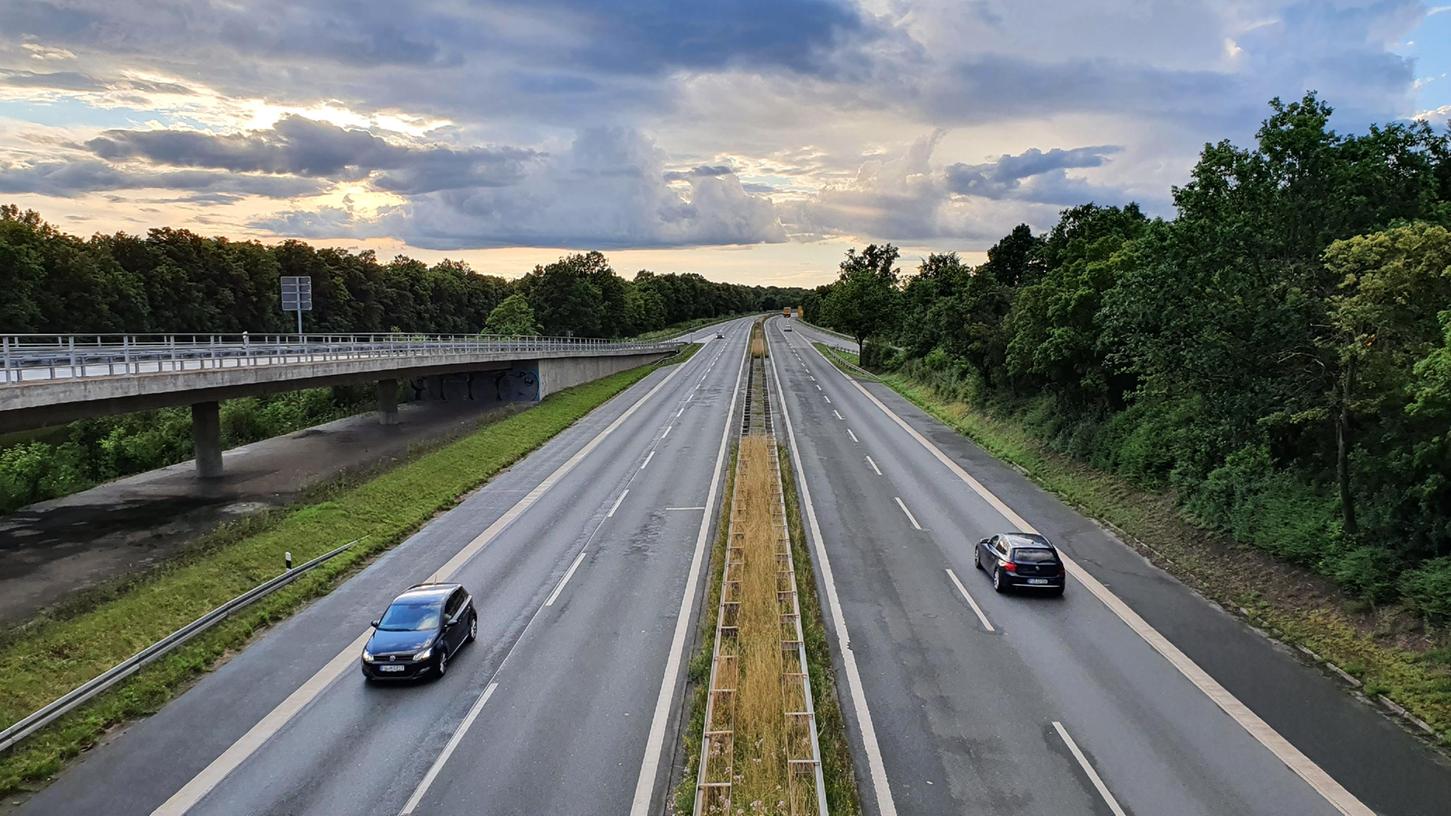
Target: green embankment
pixel 1232 575
pixel 42 662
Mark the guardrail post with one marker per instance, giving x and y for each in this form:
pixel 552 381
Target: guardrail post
pixel 126 351
pixel 6 345
pixel 72 345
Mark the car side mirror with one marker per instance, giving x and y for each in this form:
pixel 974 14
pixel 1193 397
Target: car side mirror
pixel 375 623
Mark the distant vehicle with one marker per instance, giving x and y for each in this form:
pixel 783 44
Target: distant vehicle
pixel 785 311
pixel 788 328
pixel 420 631
pixel 1021 560
pixel 719 336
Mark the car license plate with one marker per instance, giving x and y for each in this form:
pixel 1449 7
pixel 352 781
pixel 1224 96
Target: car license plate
pixel 1036 581
pixel 390 668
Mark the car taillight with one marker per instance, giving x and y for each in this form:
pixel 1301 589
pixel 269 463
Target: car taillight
pixel 1010 566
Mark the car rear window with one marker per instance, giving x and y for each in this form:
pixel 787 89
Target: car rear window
pixel 1034 556
pixel 411 617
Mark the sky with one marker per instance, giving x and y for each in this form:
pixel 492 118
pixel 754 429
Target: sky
pixel 751 141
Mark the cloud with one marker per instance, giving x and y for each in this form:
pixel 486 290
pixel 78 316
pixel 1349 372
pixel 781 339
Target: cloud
pixel 607 190
pixel 300 146
pixel 699 171
pixel 69 178
pixel 75 81
pixel 1033 175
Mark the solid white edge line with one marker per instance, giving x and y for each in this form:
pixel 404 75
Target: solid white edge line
pixel 655 742
pixel 1088 769
pixel 190 794
pixel 453 743
pixel 852 435
pixel 910 517
pixel 647 460
pixel 876 767
pixel 1293 758
pixel 874 466
pixel 554 596
pixel 616 505
pixel 986 624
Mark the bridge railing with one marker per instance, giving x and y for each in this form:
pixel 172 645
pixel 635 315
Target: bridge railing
pixel 35 357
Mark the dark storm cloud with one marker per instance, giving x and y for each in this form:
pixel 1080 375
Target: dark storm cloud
pixel 301 146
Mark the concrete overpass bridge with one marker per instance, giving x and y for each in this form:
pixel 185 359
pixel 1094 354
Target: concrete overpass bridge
pixel 52 379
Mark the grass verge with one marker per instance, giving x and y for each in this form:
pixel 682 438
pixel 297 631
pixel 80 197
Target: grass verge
pixel 1292 606
pixel 848 362
pixel 49 659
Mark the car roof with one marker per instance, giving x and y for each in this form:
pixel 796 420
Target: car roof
pixel 1027 540
pixel 425 592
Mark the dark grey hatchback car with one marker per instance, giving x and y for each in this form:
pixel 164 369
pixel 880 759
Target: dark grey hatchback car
pixel 419 632
pixel 1021 561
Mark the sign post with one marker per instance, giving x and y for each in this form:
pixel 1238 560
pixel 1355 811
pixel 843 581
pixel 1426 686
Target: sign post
pixel 297 296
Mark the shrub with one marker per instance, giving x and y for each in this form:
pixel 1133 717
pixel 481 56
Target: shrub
pixel 1427 589
pixel 1268 508
pixel 1369 573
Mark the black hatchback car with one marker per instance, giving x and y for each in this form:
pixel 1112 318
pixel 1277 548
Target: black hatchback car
pixel 419 632
pixel 1021 561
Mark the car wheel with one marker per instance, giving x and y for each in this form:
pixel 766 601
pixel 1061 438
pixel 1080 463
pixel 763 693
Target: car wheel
pixel 473 627
pixel 977 559
pixel 442 661
pixel 998 584
pixel 1057 592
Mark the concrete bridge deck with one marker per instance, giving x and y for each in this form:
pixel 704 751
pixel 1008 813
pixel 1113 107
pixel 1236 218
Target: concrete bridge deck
pixel 52 379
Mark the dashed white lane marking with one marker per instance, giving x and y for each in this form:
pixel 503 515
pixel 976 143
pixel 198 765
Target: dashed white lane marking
pixel 667 432
pixel 553 596
pixel 828 400
pixel 874 466
pixel 910 517
pixel 617 503
pixel 1088 769
pixel 838 414
pixel 448 751
pixel 249 743
pixel 664 701
pixel 1315 776
pixel 647 460
pixel 681 411
pixel 986 624
pixel 876 767
pixel 853 436
pixel 818 388
pixel 690 397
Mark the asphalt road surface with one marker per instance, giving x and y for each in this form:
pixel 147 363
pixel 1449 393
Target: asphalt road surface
pixel 585 560
pixel 1060 707
pixel 575 673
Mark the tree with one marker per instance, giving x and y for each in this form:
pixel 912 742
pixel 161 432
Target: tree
pixel 513 315
pixel 863 302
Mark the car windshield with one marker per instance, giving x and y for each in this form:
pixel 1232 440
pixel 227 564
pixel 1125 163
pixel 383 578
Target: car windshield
pixel 411 617
pixel 1034 556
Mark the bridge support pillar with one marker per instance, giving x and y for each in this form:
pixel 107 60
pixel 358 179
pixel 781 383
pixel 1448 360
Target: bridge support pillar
pixel 387 402
pixel 206 439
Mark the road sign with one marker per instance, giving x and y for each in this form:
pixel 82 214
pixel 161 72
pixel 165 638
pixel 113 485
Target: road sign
pixel 297 296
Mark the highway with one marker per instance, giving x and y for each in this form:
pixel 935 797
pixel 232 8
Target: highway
pixel 974 697
pixel 586 562
pixel 581 558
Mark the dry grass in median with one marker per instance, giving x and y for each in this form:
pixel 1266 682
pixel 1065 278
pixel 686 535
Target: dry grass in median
pixel 766 692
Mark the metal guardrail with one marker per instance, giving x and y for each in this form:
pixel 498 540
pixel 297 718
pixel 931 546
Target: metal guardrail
pixel 37 357
pixel 84 692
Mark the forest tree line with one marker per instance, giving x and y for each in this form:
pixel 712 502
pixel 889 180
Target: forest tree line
pixel 177 281
pixel 1278 354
